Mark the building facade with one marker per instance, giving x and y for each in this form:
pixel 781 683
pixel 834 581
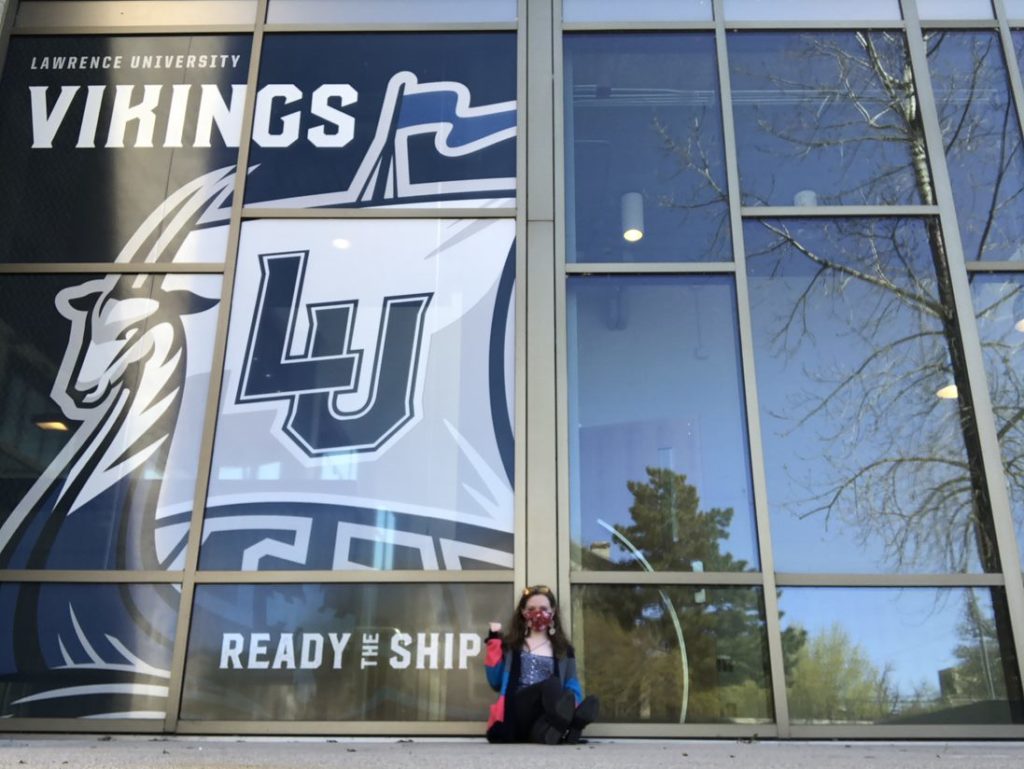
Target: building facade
pixel 328 325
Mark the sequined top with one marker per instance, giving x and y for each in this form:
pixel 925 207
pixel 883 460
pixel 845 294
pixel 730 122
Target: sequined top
pixel 535 668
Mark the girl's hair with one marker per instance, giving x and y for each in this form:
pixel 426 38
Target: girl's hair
pixel 515 637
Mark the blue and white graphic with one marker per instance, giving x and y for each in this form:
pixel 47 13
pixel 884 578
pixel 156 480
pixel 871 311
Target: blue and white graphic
pixel 328 364
pixel 366 410
pixel 385 119
pixel 443 112
pixel 133 381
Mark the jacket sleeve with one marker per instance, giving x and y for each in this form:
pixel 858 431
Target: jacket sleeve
pixel 494 661
pixel 572 681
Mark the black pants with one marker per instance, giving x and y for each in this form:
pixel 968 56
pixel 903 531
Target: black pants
pixel 522 709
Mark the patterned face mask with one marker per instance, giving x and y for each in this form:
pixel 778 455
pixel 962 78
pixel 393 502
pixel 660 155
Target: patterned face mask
pixel 539 619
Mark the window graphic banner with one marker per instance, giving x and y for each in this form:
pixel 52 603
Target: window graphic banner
pixel 101 651
pixel 340 652
pixel 101 133
pixel 127 371
pixel 366 413
pixel 381 383
pixel 385 119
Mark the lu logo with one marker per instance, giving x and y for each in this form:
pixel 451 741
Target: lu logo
pixel 328 365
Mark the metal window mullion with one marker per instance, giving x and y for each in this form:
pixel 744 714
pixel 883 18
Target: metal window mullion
pixel 648 268
pixel 541 497
pixel 638 26
pixel 348 577
pixel 972 24
pixel 127 31
pixel 782 212
pixel 109 268
pixel 994 266
pixel 390 26
pixel 995 480
pixel 753 419
pixel 394 212
pixel 205 459
pixel 811 579
pixel 807 25
pixel 563 129
pixel 632 578
pixel 519 352
pixel 90 576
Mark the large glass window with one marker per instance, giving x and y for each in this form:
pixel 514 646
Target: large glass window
pixel 871 450
pixel 999 309
pixel 640 10
pixel 899 656
pixel 659 458
pixel 982 140
pixel 954 9
pixel 676 655
pixel 340 652
pixel 110 142
pixel 360 11
pixel 366 416
pixel 86 651
pixel 827 118
pixel 385 119
pixel 798 10
pixel 645 165
pixel 103 381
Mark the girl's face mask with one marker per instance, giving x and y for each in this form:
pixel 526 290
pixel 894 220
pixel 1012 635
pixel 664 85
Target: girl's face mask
pixel 539 619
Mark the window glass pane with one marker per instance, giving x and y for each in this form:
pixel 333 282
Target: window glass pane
pixel 1014 8
pixel 954 9
pixel 645 165
pixel 135 13
pixel 341 652
pixel 796 10
pixel 110 139
pixel 659 467
pixel 983 141
pixel 358 11
pixel 902 657
pixel 366 414
pixel 414 119
pixel 103 383
pixel 86 651
pixel 826 118
pixel 872 459
pixel 673 654
pixel 641 10
pixel 999 308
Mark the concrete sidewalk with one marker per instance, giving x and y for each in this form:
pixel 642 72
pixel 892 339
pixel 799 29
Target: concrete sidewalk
pixel 138 752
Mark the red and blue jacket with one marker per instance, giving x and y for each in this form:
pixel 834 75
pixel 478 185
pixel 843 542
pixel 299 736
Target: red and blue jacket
pixel 499 663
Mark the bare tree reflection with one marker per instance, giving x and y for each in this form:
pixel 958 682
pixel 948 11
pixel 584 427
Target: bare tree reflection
pixel 878 455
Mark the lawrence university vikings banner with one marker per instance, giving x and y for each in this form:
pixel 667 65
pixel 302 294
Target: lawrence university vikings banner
pixel 365 416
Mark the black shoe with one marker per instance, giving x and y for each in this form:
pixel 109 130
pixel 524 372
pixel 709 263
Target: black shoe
pixel 544 733
pixel 560 713
pixel 585 714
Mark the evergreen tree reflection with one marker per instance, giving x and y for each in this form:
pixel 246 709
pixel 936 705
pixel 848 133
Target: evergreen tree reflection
pixel 686 654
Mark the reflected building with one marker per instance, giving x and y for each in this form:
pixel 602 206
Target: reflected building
pixel 327 326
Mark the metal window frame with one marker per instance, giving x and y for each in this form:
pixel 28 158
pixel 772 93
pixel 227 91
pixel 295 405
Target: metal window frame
pixel 542 515
pixel 1008 579
pixel 191 575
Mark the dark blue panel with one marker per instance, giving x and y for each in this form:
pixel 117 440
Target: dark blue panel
pixel 70 193
pixel 86 650
pixel 432 109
